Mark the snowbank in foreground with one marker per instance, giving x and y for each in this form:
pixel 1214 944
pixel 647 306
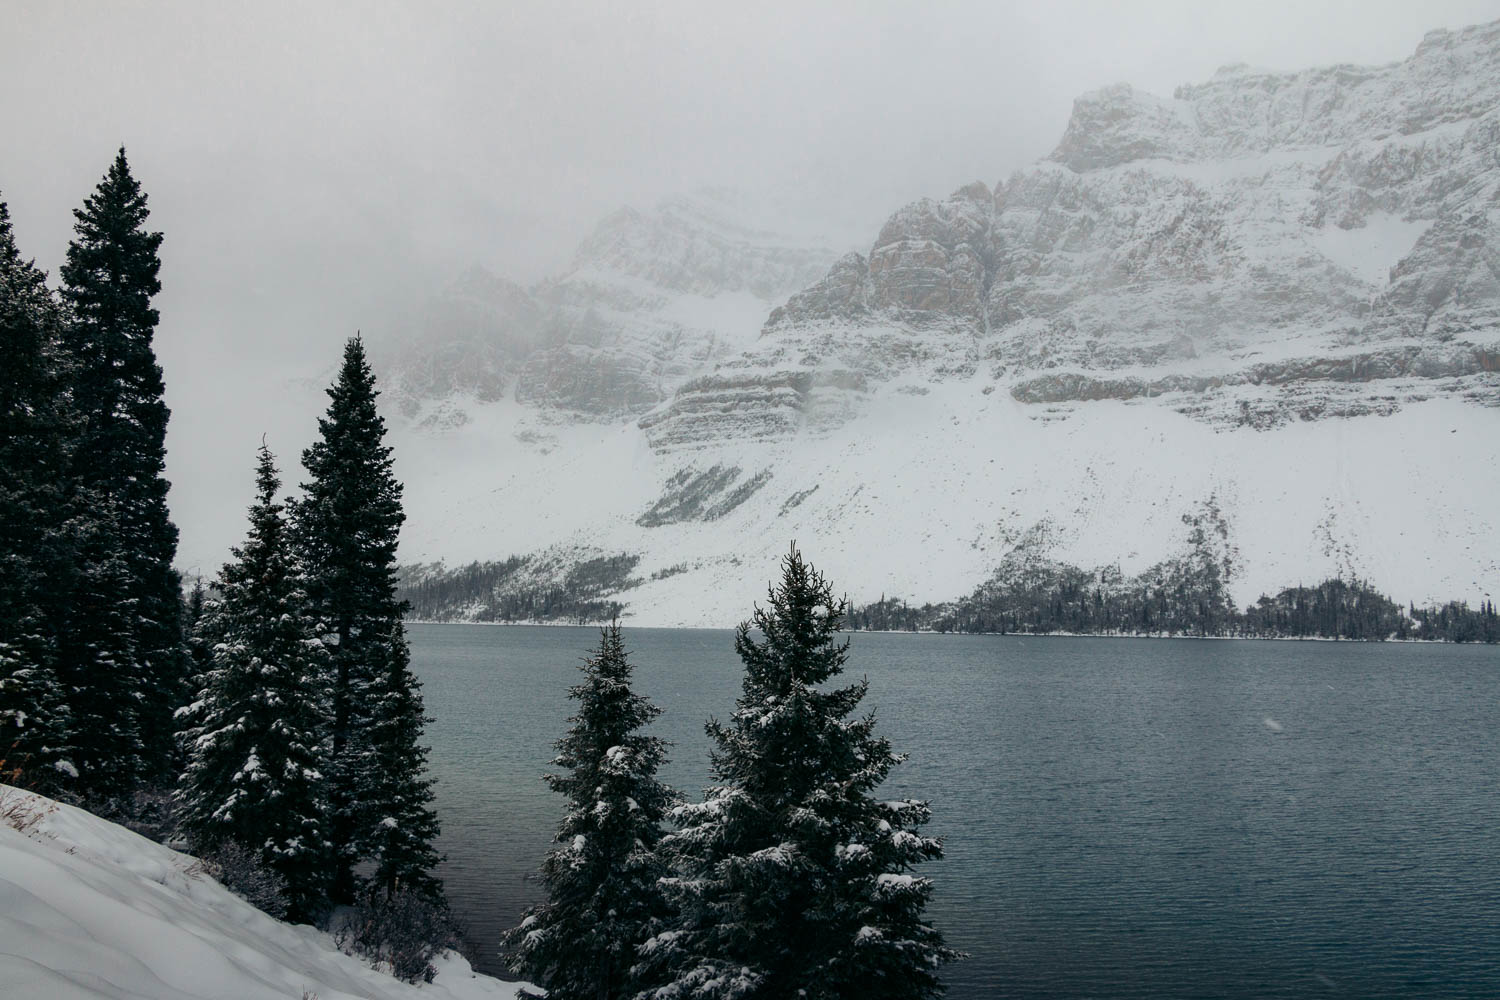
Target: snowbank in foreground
pixel 90 910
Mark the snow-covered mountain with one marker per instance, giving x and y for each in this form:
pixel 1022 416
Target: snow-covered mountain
pixel 1279 291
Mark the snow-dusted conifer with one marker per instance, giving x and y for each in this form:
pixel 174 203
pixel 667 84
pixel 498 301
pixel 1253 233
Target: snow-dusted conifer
pixel 197 634
pixel 347 528
pixel 199 620
pixel 794 881
pixel 97 652
pixel 254 773
pixel 35 427
pixel 397 822
pixel 602 894
pixel 109 279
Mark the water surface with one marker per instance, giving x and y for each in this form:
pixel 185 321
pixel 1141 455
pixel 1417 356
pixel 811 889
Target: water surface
pixel 1123 817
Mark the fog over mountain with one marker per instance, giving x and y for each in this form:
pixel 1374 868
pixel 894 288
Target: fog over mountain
pixel 343 167
pixel 1247 333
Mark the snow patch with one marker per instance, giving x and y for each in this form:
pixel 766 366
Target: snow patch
pixel 1370 251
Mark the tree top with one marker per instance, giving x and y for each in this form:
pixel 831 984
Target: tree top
pixel 266 479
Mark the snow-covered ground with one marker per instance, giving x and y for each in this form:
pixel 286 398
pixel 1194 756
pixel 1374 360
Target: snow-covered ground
pixel 89 910
pixel 926 492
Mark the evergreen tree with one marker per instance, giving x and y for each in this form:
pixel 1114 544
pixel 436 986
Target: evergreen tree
pixel 195 633
pixel 794 880
pixel 254 759
pixel 98 641
pixel 347 526
pixel 196 604
pixel 35 428
pixel 603 899
pixel 109 279
pixel 198 624
pixel 397 820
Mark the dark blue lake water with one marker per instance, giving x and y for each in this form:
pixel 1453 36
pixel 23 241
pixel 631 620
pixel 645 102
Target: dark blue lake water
pixel 1123 817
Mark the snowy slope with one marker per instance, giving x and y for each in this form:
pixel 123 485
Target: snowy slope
pixel 923 497
pixel 89 910
pixel 1279 291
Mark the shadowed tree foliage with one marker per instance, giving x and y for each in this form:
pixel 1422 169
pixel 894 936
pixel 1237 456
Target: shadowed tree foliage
pixel 35 556
pixel 397 816
pixel 109 279
pixel 1066 599
pixel 1457 622
pixel 602 895
pixel 794 881
pixel 255 756
pixel 348 524
pixel 521 588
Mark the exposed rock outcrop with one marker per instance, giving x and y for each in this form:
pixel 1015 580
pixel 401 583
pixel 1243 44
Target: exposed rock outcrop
pixel 1255 230
pixel 1258 229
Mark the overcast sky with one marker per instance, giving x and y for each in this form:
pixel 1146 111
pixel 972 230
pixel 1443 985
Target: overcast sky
pixel 321 167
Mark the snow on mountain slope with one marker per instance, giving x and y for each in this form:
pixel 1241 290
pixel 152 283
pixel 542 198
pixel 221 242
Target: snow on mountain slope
pixel 1281 291
pixel 89 911
pixel 922 498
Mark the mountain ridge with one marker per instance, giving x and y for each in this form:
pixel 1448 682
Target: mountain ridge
pixel 1261 289
pixel 1197 234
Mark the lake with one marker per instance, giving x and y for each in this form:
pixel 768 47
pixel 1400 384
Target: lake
pixel 1123 817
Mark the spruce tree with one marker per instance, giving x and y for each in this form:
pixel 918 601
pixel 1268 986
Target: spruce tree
pixel 35 429
pixel 195 633
pixel 395 808
pixel 198 623
pixel 602 895
pixel 794 881
pixel 347 526
pixel 98 639
pixel 255 756
pixel 109 279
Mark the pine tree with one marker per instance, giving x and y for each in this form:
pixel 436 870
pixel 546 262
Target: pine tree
pixel 198 637
pixel 200 620
pixel 347 526
pixel 254 774
pixel 794 881
pixel 396 817
pixel 194 606
pixel 195 632
pixel 603 899
pixel 35 428
pixel 109 279
pixel 97 651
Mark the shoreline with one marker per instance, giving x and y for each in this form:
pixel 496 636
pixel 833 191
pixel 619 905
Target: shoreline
pixel 1018 635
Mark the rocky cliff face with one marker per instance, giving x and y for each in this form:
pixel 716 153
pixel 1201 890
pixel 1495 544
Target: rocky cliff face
pixel 1248 248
